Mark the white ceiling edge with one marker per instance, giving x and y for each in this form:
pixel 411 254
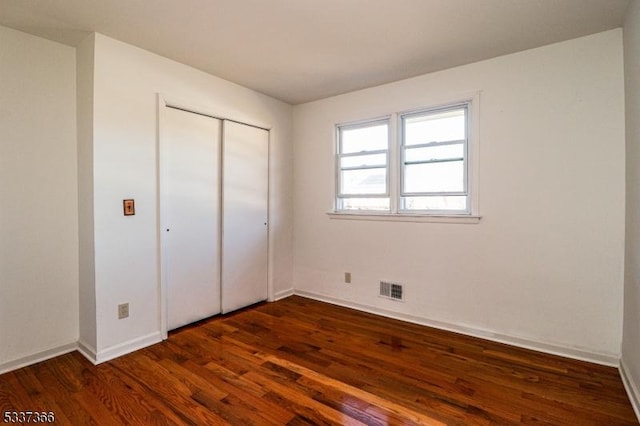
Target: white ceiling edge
pixel 301 51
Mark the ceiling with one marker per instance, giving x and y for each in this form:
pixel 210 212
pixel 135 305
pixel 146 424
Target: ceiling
pixel 303 50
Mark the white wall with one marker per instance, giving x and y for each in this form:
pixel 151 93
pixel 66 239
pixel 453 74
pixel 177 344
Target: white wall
pixel 38 211
pixel 631 331
pixel 84 99
pixel 545 265
pixel 126 81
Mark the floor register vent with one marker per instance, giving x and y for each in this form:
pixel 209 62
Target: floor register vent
pixel 391 290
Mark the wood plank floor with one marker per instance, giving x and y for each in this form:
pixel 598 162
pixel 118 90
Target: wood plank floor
pixel 300 362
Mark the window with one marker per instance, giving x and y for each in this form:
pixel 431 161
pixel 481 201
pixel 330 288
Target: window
pixel 414 163
pixel 434 161
pixel 363 166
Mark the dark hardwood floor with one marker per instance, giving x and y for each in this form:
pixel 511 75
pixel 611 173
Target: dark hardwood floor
pixel 300 362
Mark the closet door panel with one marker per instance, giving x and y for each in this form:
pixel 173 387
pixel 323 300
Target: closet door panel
pixel 190 214
pixel 245 178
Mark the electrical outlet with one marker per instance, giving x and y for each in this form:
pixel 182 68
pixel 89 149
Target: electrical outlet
pixel 123 310
pixel 347 277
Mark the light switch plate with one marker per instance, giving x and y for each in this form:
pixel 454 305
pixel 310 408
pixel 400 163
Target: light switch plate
pixel 129 207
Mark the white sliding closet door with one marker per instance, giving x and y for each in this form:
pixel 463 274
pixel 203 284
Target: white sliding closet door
pixel 190 215
pixel 245 158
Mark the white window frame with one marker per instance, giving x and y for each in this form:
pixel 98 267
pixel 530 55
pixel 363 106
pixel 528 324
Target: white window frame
pixel 403 194
pixel 340 197
pixel 395 165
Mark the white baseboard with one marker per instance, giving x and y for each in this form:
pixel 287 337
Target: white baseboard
pixel 15 364
pixel 125 348
pixel 88 351
pixel 282 294
pixel 594 357
pixel 633 389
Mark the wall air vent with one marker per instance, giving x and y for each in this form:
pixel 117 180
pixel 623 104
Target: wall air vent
pixel 391 290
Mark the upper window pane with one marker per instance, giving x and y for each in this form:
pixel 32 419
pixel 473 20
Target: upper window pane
pixel 435 127
pixel 362 138
pixel 435 153
pixel 364 161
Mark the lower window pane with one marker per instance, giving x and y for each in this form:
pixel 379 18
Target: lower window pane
pixel 381 204
pixel 456 203
pixel 363 181
pixel 434 177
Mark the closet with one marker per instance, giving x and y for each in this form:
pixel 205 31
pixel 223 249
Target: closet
pixel 213 215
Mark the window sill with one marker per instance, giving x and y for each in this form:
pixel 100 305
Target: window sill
pixel 405 217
